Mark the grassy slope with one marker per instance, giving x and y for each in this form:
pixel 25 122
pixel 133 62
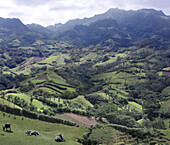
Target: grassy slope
pixel 36 103
pixel 8 103
pixel 134 105
pixel 82 101
pixel 110 136
pixel 47 131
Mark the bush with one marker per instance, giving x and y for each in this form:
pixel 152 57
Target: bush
pixel 8 109
pixel 122 120
pixel 29 114
pixel 139 132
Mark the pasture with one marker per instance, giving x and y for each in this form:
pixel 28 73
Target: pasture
pixel 47 131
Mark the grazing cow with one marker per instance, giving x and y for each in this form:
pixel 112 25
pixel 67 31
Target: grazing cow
pixel 59 138
pixel 32 132
pixel 7 125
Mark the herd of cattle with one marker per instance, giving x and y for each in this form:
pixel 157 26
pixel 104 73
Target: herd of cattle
pixel 7 127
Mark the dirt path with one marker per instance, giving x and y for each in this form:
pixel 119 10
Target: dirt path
pixel 82 120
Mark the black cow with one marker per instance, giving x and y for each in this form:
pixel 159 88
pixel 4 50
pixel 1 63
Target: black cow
pixel 7 125
pixel 59 138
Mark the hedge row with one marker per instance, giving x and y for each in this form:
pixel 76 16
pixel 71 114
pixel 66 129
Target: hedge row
pixel 8 109
pixel 34 115
pixel 48 102
pixel 135 132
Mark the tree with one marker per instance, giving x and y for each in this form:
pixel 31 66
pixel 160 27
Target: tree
pixel 9 98
pixel 3 96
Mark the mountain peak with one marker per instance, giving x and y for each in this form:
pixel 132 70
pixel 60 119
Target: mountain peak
pixel 153 11
pixel 13 24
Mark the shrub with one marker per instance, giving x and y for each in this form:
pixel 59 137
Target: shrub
pixel 29 114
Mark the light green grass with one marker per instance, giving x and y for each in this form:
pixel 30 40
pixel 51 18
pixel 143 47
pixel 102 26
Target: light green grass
pixel 101 93
pixel 47 90
pixel 82 101
pixel 37 81
pixel 48 132
pixel 134 105
pixel 112 59
pixel 56 78
pixel 59 58
pixel 38 42
pixel 8 103
pixel 36 103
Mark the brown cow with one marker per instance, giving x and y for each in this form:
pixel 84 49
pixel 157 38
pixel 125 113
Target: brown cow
pixel 32 132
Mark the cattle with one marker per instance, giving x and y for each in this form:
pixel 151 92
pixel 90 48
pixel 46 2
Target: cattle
pixel 7 125
pixel 32 132
pixel 59 138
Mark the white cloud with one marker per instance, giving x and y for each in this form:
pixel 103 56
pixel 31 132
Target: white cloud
pixel 48 12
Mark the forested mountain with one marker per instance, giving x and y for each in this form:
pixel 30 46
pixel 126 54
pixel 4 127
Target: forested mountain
pixel 116 24
pixel 113 66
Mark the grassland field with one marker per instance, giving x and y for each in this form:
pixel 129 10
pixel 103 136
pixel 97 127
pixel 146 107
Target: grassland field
pixel 48 132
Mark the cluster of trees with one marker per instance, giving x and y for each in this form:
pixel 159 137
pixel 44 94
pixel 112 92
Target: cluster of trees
pixel 8 81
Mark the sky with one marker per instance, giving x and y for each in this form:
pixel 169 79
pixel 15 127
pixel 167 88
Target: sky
pixel 50 12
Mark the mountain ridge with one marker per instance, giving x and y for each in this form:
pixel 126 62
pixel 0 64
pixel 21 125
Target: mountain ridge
pixel 114 13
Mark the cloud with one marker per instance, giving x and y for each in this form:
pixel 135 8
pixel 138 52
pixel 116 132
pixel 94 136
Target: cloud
pixel 16 14
pixel 66 8
pixel 31 2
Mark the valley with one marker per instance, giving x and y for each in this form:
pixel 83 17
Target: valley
pixel 97 82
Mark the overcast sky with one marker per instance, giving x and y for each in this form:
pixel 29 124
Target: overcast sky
pixel 50 12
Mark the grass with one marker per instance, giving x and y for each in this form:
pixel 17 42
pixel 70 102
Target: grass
pixel 106 135
pixel 112 59
pixel 134 105
pixel 47 131
pixel 56 78
pixel 8 103
pixel 82 101
pixel 56 100
pixel 47 90
pixel 110 136
pixel 59 58
pixel 38 42
pixel 101 93
pixel 36 103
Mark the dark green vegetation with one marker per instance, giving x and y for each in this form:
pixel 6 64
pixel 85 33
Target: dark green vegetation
pixel 114 66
